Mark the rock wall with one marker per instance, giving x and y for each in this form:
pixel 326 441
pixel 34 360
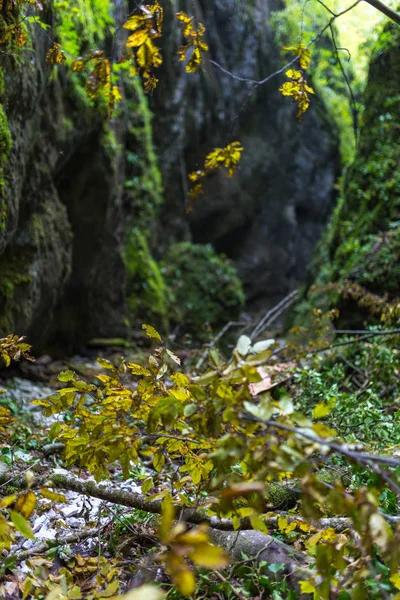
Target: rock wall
pixel 66 210
pixel 270 215
pixel 61 271
pixel 362 242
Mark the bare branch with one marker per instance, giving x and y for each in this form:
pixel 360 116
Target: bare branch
pixel 388 12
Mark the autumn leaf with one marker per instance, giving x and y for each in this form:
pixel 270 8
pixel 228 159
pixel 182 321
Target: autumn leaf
pixel 25 504
pixel 227 157
pixel 209 557
pixel 55 56
pixel 302 52
pixel 144 592
pixel 146 27
pixel 167 517
pixel 151 332
pixel 306 587
pixel 138 370
pixel 299 90
pixel 173 357
pixel 323 409
pixel 50 495
pixel 194 42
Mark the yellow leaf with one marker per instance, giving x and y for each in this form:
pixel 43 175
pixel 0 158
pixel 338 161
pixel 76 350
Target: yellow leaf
pixel 282 523
pixel 180 380
pixel 46 493
pixel 292 74
pixel 4 502
pixel 194 537
pixel 329 535
pixel 194 62
pixel 209 557
pixel 158 461
pixel 151 332
pixel 138 38
pixel 167 517
pixel 55 55
pixel 381 532
pixel 138 369
pixel 135 22
pixel 25 504
pixel 184 581
pixel 27 586
pixel 306 587
pixel 173 357
pixel 144 592
pixel 106 364
pixel 78 65
pixel 314 539
pixel 395 579
pixel 323 430
pixel 303 526
pixel 321 410
pixel 289 88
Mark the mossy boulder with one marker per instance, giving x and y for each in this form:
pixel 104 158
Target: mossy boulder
pixel 282 497
pixel 362 242
pixel 205 287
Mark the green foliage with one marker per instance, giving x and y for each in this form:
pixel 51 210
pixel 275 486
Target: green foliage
pixel 148 295
pixel 83 24
pixel 143 185
pixel 210 434
pixel 82 27
pixel 5 147
pixel 205 287
pixel 360 388
pixel 361 243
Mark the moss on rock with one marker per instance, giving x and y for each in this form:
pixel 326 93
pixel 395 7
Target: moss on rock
pixel 205 286
pixel 148 297
pixel 362 241
pixel 282 497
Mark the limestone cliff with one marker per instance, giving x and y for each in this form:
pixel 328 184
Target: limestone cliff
pixel 270 215
pixel 73 192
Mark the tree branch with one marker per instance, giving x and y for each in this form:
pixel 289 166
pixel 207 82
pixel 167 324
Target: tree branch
pixel 62 479
pixel 386 10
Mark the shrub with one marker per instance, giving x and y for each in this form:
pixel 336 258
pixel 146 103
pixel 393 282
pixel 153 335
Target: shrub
pixel 205 286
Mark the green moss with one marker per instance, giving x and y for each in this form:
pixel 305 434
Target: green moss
pixel 144 183
pixel 13 277
pixel 13 274
pixel 83 26
pixel 148 297
pixel 282 497
pixel 2 82
pixel 205 287
pixel 362 241
pixel 5 136
pixel 147 294
pixel 5 148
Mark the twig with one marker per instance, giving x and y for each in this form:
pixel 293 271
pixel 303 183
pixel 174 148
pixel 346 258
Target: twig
pixel 62 479
pixel 216 340
pixel 257 83
pixel 272 314
pixel 352 98
pixel 234 590
pixel 70 538
pixel 392 14
pixel 341 449
pixel 19 474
